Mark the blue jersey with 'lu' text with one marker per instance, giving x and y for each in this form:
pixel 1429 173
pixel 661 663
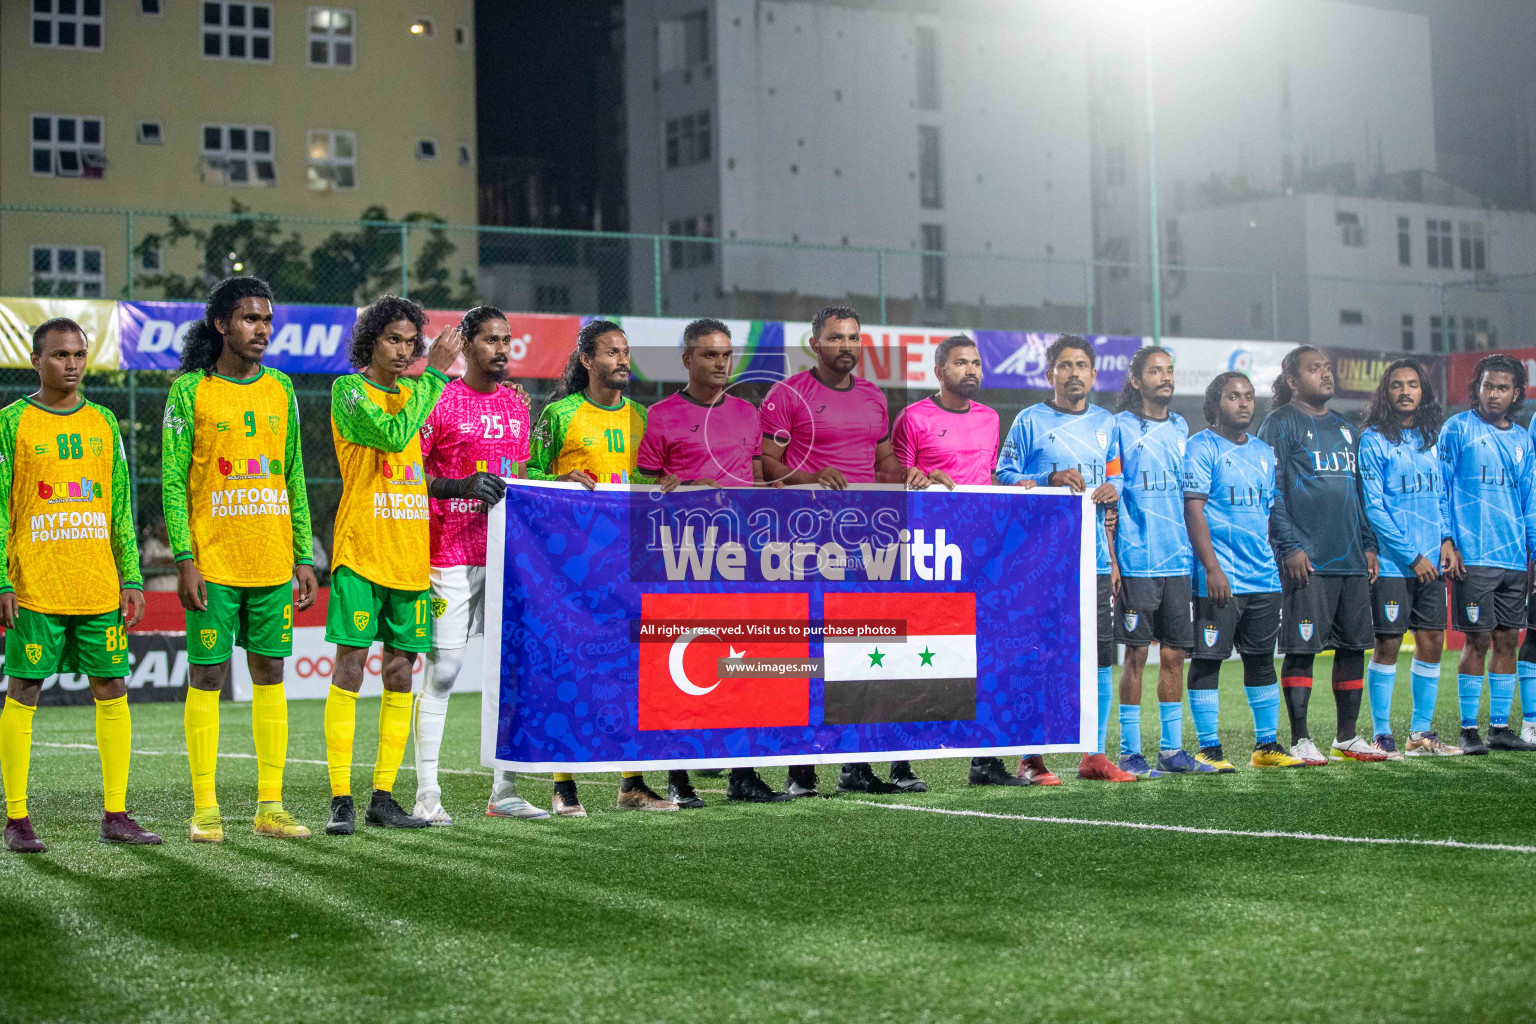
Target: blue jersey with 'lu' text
pixel 1400 482
pixel 1486 505
pixel 1316 470
pixel 1150 539
pixel 1237 482
pixel 1044 440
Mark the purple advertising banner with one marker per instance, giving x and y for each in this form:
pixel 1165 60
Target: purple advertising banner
pixel 1016 359
pixel 305 339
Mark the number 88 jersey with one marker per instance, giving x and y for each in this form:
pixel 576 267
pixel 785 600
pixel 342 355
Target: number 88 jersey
pixel 470 431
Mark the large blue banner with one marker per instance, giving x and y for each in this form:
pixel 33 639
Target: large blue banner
pixel 630 629
pixel 305 339
pixel 1016 359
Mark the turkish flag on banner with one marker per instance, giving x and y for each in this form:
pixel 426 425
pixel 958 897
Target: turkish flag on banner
pixel 680 687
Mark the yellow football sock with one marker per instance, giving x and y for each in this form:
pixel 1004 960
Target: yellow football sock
pixel 15 755
pixel 269 727
pixel 340 724
pixel 114 737
pixel 629 775
pixel 394 728
pixel 564 777
pixel 201 719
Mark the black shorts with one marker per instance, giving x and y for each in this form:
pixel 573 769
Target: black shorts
pixel 1250 621
pixel 1401 603
pixel 1155 608
pixel 1488 599
pixel 1329 613
pixel 1106 623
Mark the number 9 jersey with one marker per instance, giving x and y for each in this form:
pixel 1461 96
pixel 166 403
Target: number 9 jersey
pixel 577 433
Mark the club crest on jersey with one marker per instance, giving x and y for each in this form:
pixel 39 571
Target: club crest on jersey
pixel 97 446
pixel 439 606
pixel 1131 618
pixel 360 620
pixel 34 653
pixel 1304 627
pixel 272 422
pixel 1391 609
pixel 1211 633
pixel 209 637
pixel 1103 439
pixel 1180 443
pixel 1473 611
pixel 1347 438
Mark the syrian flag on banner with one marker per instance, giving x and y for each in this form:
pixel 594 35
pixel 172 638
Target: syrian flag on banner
pixel 929 676
pixel 680 685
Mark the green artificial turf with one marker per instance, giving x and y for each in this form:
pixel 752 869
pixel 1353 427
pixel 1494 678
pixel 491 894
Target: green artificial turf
pixel 816 910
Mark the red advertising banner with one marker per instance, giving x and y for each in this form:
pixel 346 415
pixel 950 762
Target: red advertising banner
pixel 1461 365
pixel 541 343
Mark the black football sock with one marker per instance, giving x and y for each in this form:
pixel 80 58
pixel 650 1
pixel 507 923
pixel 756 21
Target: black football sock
pixel 1348 684
pixel 1296 687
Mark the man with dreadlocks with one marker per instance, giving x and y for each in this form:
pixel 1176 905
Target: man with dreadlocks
pixel 1400 482
pixel 379 586
pixel 1488 509
pixel 238 521
pixel 1155 562
pixel 1325 548
pixel 591 434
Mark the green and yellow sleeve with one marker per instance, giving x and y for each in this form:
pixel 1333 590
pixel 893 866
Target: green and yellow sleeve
pixel 360 420
pixel 10 416
pixel 635 475
pixel 293 463
pixel 125 542
pixel 176 460
pixel 549 437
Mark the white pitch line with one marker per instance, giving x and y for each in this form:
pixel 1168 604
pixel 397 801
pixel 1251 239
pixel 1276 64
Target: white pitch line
pixel 1316 837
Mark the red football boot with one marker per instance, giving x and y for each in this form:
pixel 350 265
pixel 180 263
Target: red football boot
pixel 1033 768
pixel 1101 768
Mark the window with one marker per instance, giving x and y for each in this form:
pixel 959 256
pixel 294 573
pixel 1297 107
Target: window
pixel 933 265
pixel 1351 229
pixel 461 38
pixel 67 147
pixel 149 255
pixel 426 149
pixel 1436 335
pixel 149 6
pixel 332 37
pixel 237 31
pixel 685 255
pixel 1404 243
pixel 927 68
pixel 463 156
pixel 552 298
pixel 930 191
pixel 688 140
pixel 1117 251
pixel 1407 332
pixel 1437 245
pixel 1478 335
pixel 332 160
pixel 1474 246
pixel 1450 334
pixel 682 44
pixel 1351 318
pixel 240 153
pixel 1115 168
pixel 67 24
pixel 1175 323
pixel 149 133
pixel 69 270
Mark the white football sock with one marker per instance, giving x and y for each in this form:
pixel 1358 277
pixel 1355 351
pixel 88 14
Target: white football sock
pixel 431 716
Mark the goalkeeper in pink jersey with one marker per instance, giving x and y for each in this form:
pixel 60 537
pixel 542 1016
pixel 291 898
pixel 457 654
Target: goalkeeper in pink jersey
pixel 705 437
pixel 955 439
pixel 477 426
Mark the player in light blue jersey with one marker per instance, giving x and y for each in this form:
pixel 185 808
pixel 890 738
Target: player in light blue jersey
pixel 1067 442
pixel 1526 666
pixel 1400 488
pixel 1488 507
pixel 1229 494
pixel 1152 548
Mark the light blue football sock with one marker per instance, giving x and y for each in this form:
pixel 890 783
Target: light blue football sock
pixel 1469 691
pixel 1501 694
pixel 1379 680
pixel 1130 729
pixel 1264 703
pixel 1205 707
pixel 1106 694
pixel 1172 715
pixel 1527 672
pixel 1426 690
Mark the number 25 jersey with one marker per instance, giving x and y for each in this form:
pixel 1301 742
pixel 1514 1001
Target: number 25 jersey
pixel 468 432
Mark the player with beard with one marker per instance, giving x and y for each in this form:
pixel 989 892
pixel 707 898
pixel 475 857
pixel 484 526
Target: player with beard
pixel 1069 442
pixel 1400 481
pixel 1152 545
pixel 828 426
pixel 1488 511
pixel 703 437
pixel 479 425
pixel 1229 496
pixel 591 434
pixel 952 438
pixel 1325 549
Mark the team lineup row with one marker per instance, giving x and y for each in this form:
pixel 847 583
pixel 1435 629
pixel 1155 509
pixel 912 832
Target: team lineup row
pixel 1307 534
